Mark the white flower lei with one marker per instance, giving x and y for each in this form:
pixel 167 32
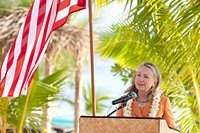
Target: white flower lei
pixel 127 108
pixel 155 104
pixel 154 107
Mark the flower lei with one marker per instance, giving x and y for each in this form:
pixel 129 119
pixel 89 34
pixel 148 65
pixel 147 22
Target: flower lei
pixel 127 108
pixel 154 107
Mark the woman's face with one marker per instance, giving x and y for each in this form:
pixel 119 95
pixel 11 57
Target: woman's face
pixel 144 79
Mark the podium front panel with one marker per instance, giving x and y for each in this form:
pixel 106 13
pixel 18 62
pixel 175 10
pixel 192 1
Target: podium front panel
pixel 122 125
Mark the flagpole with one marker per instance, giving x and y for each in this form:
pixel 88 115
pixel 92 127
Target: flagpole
pixel 92 58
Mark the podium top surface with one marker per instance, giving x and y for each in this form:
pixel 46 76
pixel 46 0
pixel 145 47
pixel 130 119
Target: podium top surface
pixel 116 117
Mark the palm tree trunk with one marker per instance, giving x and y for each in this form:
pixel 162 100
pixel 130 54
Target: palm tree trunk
pixel 46 112
pixel 20 130
pixel 5 117
pixel 78 91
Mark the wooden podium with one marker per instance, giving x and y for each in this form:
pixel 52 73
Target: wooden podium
pixel 98 124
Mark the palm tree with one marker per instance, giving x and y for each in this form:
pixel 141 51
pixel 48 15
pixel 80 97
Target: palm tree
pixel 100 106
pixel 77 44
pixel 167 33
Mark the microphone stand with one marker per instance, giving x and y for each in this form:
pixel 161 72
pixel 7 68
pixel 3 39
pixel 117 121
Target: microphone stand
pixel 123 105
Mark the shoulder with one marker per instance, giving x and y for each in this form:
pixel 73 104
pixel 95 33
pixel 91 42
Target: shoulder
pixel 164 99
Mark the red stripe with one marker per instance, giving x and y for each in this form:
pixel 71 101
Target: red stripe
pixel 40 23
pixel 43 43
pixel 75 8
pixel 11 56
pixel 9 63
pixel 17 74
pixel 2 87
pixel 21 57
pixel 72 9
pixel 81 3
pixel 62 21
pixel 41 13
pixel 64 4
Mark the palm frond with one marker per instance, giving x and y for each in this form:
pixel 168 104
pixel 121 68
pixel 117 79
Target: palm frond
pixel 99 99
pixel 43 92
pixel 166 33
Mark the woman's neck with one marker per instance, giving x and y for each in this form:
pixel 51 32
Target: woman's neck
pixel 142 95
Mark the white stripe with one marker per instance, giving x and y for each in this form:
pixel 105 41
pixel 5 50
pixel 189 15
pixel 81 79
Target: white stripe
pixel 25 89
pixel 52 18
pixel 11 72
pixel 38 45
pixel 43 50
pixel 30 44
pixel 65 12
pixel 4 66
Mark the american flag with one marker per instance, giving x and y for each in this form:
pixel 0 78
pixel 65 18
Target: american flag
pixel 28 48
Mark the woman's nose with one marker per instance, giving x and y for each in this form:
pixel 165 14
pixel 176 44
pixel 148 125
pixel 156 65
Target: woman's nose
pixel 141 79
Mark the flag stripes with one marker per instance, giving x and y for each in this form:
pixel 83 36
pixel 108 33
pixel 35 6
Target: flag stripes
pixel 29 46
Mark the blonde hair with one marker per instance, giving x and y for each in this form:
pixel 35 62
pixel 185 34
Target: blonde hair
pixel 156 74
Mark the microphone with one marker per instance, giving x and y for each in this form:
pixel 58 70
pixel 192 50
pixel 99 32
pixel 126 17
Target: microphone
pixel 125 98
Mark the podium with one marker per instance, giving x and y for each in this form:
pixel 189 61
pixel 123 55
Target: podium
pixel 99 124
